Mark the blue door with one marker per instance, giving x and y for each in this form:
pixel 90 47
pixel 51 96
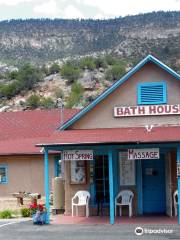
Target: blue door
pixel 153 181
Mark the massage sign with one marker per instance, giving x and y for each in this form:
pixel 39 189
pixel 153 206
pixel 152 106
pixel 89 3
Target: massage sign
pixel 149 110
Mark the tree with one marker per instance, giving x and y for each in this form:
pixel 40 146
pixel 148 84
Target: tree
pixel 115 72
pixel 10 90
pixel 55 68
pixel 28 76
pixel 88 62
pixel 75 96
pixel 47 102
pixel 34 101
pixel 58 93
pixel 70 72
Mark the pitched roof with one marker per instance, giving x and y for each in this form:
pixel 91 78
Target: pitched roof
pixel 114 135
pixel 149 58
pixel 20 131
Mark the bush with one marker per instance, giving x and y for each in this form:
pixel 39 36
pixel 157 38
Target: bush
pixel 70 72
pixel 55 68
pixel 10 90
pixel 110 60
pixel 6 214
pixel 33 101
pixel 75 95
pixel 47 102
pixel 88 62
pixel 100 63
pixel 115 72
pixel 58 93
pixel 25 212
pixel 28 76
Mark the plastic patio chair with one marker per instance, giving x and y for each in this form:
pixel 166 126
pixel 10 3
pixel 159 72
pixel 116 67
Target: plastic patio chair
pixel 124 198
pixel 175 202
pixel 81 198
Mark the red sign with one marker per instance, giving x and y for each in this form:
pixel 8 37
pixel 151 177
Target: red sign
pixel 146 110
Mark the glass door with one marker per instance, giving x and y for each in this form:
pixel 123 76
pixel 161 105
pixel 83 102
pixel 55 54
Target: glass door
pixel 101 179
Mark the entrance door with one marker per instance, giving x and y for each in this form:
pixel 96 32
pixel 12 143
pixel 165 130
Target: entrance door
pixel 153 181
pixel 102 178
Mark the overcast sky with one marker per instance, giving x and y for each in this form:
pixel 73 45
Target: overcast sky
pixel 13 9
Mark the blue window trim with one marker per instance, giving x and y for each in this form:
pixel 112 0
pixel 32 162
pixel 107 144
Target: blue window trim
pixel 151 84
pixel 6 172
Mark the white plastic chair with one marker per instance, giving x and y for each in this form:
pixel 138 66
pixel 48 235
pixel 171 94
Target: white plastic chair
pixel 175 202
pixel 81 199
pixel 124 198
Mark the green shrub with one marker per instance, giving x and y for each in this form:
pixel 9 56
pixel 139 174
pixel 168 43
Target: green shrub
pixel 25 212
pixel 10 90
pixel 70 72
pixel 58 93
pixel 75 95
pixel 6 214
pixel 100 62
pixel 47 102
pixel 115 72
pixel 33 101
pixel 28 75
pixel 88 62
pixel 110 60
pixel 55 68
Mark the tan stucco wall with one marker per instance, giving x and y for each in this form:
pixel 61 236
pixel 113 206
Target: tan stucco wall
pixel 126 95
pixel 25 173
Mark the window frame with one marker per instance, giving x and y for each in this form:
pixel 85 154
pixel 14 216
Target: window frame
pixel 6 173
pixel 152 84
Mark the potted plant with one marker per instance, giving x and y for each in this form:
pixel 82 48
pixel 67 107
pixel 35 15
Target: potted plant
pixel 38 213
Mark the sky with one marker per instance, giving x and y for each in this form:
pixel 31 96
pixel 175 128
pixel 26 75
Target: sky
pixel 95 9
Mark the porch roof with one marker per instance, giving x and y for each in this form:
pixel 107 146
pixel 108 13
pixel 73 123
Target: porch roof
pixel 114 135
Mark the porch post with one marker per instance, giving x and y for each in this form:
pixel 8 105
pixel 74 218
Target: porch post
pixel 46 183
pixel 111 185
pixel 178 179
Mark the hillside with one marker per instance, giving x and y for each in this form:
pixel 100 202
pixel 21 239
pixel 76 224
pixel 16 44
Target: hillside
pixel 89 54
pixel 131 37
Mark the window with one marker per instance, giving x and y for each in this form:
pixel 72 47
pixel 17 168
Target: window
pixel 58 167
pixel 127 170
pixel 3 174
pixel 152 93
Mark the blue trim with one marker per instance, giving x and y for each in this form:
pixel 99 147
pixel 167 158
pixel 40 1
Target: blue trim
pixel 153 96
pixel 149 58
pixel 46 183
pixel 116 171
pixel 111 186
pixel 6 173
pixel 139 186
pixel 178 182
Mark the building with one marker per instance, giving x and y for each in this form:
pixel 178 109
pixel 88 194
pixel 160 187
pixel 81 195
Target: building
pixel 130 136
pixel 21 163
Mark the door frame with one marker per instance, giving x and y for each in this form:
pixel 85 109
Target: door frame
pixel 139 184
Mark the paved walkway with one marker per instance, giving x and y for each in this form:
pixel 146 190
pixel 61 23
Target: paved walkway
pixel 61 219
pixel 28 231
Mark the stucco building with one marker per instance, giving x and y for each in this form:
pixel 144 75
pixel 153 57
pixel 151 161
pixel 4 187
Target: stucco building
pixel 127 138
